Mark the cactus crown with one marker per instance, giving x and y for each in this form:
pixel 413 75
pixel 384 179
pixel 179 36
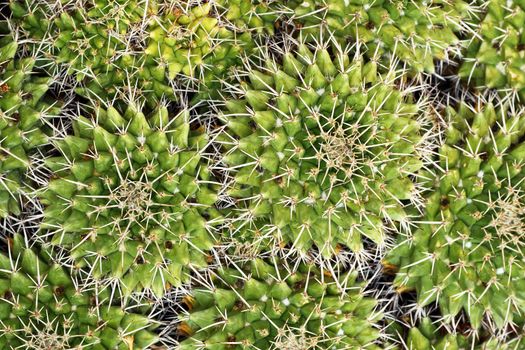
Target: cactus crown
pixel 130 196
pixel 323 150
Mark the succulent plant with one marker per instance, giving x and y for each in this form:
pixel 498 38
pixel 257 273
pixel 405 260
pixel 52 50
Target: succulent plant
pixel 117 48
pixel 495 57
pixel 43 308
pixel 428 337
pixel 322 151
pixel 130 197
pixel 415 32
pixel 98 43
pixel 24 124
pixel 468 256
pixel 266 305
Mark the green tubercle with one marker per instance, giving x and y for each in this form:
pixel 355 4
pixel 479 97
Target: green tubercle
pixel 495 58
pixel 25 114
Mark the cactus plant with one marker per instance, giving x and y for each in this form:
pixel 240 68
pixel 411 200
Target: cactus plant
pixel 322 151
pixel 415 32
pixel 43 307
pixel 130 196
pixel 258 157
pixel 265 305
pixel 426 336
pixel 495 56
pixel 114 48
pixel 468 257
pixel 24 124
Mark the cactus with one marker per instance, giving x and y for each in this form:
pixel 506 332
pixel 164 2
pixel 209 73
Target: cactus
pixel 43 307
pixel 182 37
pixel 24 124
pixel 258 16
pixel 468 256
pixel 495 56
pixel 115 48
pixel 415 32
pixel 130 196
pixel 322 151
pixel 428 337
pixel 265 305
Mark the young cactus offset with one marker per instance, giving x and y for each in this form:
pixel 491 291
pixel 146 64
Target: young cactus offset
pixel 322 151
pixel 23 124
pixel 469 256
pixel 130 197
pixel 44 308
pixel 416 32
pixel 264 305
pixel 496 56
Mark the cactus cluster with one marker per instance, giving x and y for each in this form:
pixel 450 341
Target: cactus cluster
pixel 262 174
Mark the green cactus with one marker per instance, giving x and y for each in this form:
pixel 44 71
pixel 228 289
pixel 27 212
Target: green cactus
pixel 264 305
pixel 428 337
pixel 243 24
pixel 24 114
pixel 122 48
pixel 415 32
pixel 258 16
pixel 495 57
pixel 322 151
pixel 182 37
pixel 130 196
pixel 468 257
pixel 44 308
